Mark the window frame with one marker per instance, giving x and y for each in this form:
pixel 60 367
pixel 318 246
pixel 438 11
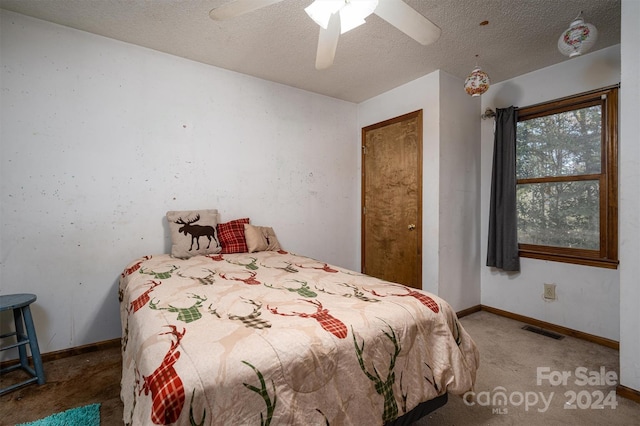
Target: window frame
pixel 607 255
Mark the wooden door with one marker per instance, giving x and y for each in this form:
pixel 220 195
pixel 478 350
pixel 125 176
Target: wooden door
pixel 392 199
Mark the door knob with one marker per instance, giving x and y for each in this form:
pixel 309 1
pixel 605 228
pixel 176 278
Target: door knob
pixel 411 227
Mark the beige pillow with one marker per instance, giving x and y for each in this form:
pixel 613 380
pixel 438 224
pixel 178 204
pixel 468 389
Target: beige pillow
pixel 260 238
pixel 193 232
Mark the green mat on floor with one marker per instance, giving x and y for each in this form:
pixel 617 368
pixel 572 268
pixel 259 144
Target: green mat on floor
pixel 89 415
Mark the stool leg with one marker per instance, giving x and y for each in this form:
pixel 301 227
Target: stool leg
pixel 35 350
pixel 20 336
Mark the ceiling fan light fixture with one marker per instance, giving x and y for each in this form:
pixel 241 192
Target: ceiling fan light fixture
pixel 336 17
pixel 321 11
pixel 352 12
pixel 578 38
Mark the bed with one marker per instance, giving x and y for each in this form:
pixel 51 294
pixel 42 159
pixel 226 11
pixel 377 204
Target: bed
pixel 275 338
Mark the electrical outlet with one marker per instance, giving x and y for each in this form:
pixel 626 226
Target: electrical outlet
pixel 550 291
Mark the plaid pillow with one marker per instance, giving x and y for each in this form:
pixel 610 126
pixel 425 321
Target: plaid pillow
pixel 231 236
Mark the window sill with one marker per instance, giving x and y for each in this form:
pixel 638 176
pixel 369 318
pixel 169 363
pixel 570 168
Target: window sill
pixel 566 258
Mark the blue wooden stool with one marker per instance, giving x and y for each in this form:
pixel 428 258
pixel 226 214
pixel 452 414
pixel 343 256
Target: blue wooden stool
pixel 19 303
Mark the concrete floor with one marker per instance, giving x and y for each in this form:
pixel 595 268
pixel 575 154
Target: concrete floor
pixel 509 358
pixel 71 382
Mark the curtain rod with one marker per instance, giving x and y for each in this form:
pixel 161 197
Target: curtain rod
pixel 488 113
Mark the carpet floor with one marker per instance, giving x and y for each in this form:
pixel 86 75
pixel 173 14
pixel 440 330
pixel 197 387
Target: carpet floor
pixel 510 359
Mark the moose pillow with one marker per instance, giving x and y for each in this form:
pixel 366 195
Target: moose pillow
pixel 193 232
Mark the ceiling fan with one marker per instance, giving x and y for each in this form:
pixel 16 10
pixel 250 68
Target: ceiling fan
pixel 336 17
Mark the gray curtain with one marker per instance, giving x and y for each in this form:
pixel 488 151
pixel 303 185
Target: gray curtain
pixel 502 245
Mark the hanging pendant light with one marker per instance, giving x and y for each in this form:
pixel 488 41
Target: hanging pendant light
pixel 478 81
pixel 578 38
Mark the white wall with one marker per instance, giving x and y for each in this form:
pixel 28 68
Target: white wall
pixel 450 233
pixel 629 213
pixel 100 138
pixel 459 211
pixel 588 298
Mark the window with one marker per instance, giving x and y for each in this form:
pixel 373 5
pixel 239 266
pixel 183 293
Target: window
pixel 567 186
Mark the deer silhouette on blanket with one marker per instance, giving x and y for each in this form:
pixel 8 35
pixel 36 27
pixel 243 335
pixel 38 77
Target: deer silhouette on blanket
pixel 196 231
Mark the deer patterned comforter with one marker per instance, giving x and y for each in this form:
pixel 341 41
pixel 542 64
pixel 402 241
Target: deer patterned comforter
pixel 276 338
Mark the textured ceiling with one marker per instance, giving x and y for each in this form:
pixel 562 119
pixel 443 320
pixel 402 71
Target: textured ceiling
pixel 278 43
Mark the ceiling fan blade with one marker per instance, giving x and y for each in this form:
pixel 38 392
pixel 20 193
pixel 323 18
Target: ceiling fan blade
pixel 408 20
pixel 328 42
pixel 238 7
